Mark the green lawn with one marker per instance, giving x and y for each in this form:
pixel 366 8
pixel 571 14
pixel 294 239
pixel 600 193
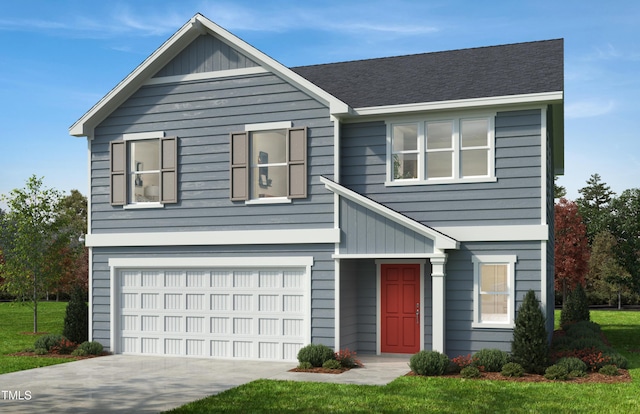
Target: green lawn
pixel 16 327
pixel 446 395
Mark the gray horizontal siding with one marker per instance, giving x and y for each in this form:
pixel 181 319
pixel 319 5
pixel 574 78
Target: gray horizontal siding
pixel 322 280
pixel 364 231
pixel 202 114
pixel 513 199
pixel 461 338
pixel 206 54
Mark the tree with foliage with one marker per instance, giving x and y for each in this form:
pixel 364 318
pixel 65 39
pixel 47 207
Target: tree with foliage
pixel 625 226
pixel 558 190
pixel 32 235
pixel 530 345
pixel 571 248
pixel 606 277
pixel 76 318
pixel 595 205
pixel 575 308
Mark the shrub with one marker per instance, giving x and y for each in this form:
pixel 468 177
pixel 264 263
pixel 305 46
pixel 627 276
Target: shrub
pixel 593 357
pixel 347 358
pixel 79 352
pixel 470 372
pixel 609 370
pixel 556 372
pixel 40 351
pixel 530 346
pixel 583 325
pixel 429 363
pixel 512 369
pixel 618 360
pixel 460 362
pixel 490 360
pixel 91 348
pixel 577 374
pixel 47 342
pixel 575 308
pixel 76 318
pixel 572 364
pixel 64 347
pixel 315 354
pixel 305 365
pixel 588 343
pixel 332 364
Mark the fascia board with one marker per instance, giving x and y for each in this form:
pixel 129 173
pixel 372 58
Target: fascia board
pixel 491 101
pixel 441 241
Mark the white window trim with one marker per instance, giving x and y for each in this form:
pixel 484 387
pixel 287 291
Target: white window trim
pixel 457 151
pixel 510 262
pixel 139 136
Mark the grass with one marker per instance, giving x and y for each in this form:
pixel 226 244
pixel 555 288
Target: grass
pixel 16 333
pixel 446 395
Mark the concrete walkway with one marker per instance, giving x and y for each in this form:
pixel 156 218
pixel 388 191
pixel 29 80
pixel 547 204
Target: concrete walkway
pixel 132 384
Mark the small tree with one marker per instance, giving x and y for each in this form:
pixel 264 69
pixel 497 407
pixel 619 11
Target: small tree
pixel 575 308
pixel 76 318
pixel 530 345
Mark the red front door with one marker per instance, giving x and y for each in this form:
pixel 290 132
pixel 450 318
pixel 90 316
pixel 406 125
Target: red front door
pixel 400 308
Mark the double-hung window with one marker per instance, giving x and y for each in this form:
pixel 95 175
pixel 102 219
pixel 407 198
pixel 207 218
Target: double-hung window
pixel 441 151
pixel 269 163
pixel 493 291
pixel 143 170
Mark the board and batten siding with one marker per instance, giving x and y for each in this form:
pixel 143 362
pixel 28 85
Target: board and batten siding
pixel 364 231
pixel 202 114
pixel 322 280
pixel 514 199
pixel 460 337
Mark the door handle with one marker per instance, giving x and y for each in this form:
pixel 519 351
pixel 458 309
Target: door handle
pixel 417 313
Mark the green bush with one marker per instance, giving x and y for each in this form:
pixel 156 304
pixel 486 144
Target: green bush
pixel 618 360
pixel 512 369
pixel 40 351
pixel 490 360
pixel 305 365
pixel 584 325
pixel 530 345
pixel 429 363
pixel 470 372
pixel 589 343
pixel 79 352
pixel 556 372
pixel 577 374
pixel 47 342
pixel 575 308
pixel 332 364
pixel 609 370
pixel 572 364
pixel 76 318
pixel 315 354
pixel 91 348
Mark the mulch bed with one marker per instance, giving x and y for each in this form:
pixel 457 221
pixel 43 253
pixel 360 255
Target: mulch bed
pixel 320 370
pixel 594 377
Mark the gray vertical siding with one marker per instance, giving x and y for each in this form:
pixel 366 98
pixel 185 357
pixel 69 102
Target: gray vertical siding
pixel 364 231
pixel 514 199
pixel 202 114
pixel 460 337
pixel 205 54
pixel 322 280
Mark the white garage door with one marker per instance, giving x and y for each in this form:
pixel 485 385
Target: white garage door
pixel 223 313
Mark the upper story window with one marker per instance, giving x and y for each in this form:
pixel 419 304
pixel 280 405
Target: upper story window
pixel 269 163
pixel 143 170
pixel 441 151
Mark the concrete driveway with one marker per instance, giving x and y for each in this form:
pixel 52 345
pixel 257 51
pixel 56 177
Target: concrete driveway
pixel 132 384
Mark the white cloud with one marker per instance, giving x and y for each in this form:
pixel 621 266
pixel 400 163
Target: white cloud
pixel 588 108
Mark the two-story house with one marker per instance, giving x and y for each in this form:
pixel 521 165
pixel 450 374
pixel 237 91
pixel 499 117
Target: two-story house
pixel 242 209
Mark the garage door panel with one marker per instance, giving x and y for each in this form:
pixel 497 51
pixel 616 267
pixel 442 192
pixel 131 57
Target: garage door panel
pixel 226 313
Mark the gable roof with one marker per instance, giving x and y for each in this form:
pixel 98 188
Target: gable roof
pixel 515 69
pixel 198 25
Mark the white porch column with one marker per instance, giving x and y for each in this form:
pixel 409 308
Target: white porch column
pixel 438 301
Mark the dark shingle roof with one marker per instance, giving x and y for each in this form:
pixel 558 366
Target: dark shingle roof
pixel 514 69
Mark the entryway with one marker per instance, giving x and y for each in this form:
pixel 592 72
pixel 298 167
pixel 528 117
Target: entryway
pixel 400 308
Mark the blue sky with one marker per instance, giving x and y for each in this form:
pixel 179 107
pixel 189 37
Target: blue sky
pixel 58 58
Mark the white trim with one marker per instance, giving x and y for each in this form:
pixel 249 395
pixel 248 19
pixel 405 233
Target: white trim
pixel 379 264
pixel 90 277
pixel 544 286
pixel 438 303
pixel 522 99
pixel 265 126
pixel 441 181
pixel 142 205
pixel 115 264
pixel 336 294
pixel 510 262
pixel 543 166
pixel 441 241
pixel 390 257
pixel 206 75
pixel 136 136
pixel 214 238
pixel 533 232
pixel 269 200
